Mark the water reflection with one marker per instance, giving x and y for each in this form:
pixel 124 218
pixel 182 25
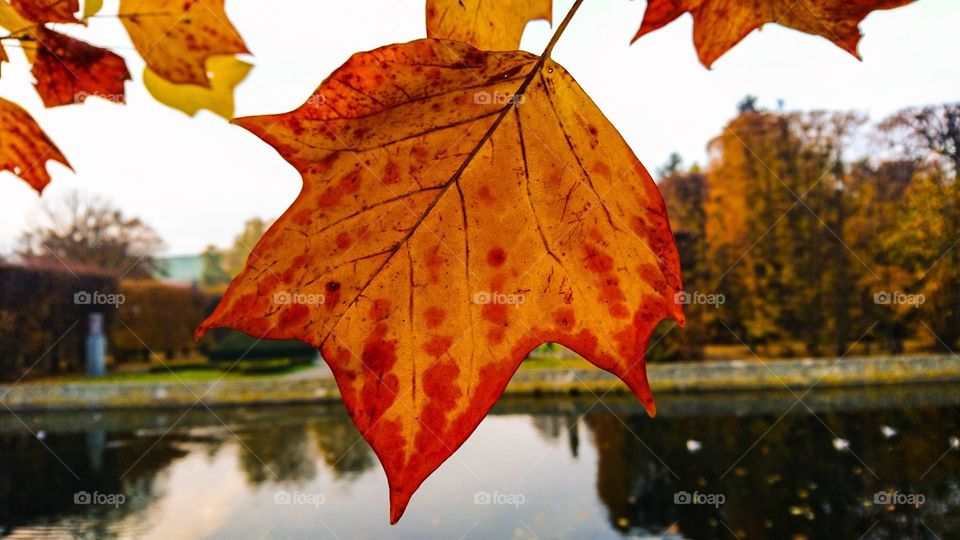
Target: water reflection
pixel 573 467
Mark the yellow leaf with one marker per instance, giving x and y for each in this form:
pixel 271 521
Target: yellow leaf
pixel 91 8
pixel 12 22
pixel 493 25
pixel 225 73
pixel 176 37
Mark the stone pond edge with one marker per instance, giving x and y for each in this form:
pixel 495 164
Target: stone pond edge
pixel 667 378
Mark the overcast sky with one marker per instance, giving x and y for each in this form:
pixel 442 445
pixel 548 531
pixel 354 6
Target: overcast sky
pixel 196 180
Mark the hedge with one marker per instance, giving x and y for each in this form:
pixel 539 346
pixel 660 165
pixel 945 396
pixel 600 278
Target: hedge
pixel 43 325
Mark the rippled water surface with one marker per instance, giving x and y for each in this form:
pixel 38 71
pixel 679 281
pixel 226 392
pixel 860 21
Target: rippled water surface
pixel 763 465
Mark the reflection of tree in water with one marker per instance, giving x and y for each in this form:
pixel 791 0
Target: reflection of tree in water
pixel 37 490
pixel 277 453
pixel 553 426
pixel 288 452
pixel 793 482
pixel 35 487
pixel 341 446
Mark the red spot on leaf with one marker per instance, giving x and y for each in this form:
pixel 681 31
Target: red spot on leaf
pixel 435 263
pixel 601 168
pixel 495 313
pixel 379 391
pixel 596 260
pixel 565 318
pixel 348 184
pixel 343 241
pixel 437 346
pixel 434 316
pixel 380 309
pixel 619 311
pixel 486 196
pixel 391 173
pixel 495 336
pixel 294 314
pixel 610 292
pixel 420 153
pixel 496 257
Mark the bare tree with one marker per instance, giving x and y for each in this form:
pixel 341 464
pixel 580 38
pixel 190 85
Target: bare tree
pixel 921 132
pixel 90 231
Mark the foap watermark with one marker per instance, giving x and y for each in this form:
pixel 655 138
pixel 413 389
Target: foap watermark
pixel 715 500
pixel 81 97
pixel 299 498
pixel 887 498
pixel 96 498
pixel 699 298
pixel 897 298
pixel 508 499
pixel 285 298
pixel 496 297
pixel 97 298
pixel 317 100
pixel 496 98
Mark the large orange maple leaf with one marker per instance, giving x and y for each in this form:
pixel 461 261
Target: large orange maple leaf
pixel 458 209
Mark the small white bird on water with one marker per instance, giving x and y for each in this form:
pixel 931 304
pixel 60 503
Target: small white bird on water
pixel 841 445
pixel 694 446
pixel 888 431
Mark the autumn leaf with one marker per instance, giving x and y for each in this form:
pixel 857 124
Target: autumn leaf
pixel 718 25
pixel 24 147
pixel 91 8
pixel 68 70
pixel 3 57
pixel 225 73
pixel 18 28
pixel 458 209
pixel 176 37
pixel 493 25
pixel 44 11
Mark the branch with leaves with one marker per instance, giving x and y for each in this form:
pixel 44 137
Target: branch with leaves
pixel 189 46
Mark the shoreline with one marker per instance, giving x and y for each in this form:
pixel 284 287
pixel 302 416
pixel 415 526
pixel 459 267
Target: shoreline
pixel 665 379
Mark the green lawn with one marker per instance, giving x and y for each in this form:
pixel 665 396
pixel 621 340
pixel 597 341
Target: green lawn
pixel 555 362
pixel 188 372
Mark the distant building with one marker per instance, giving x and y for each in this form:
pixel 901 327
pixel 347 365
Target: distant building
pixel 181 270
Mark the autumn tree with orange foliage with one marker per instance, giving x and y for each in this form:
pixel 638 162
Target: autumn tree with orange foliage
pixel 190 48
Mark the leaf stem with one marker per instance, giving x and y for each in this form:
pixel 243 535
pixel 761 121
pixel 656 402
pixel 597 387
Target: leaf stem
pixel 560 29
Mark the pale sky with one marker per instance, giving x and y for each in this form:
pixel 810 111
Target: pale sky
pixel 196 180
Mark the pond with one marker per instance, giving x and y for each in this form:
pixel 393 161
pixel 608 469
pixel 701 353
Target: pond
pixel 870 463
